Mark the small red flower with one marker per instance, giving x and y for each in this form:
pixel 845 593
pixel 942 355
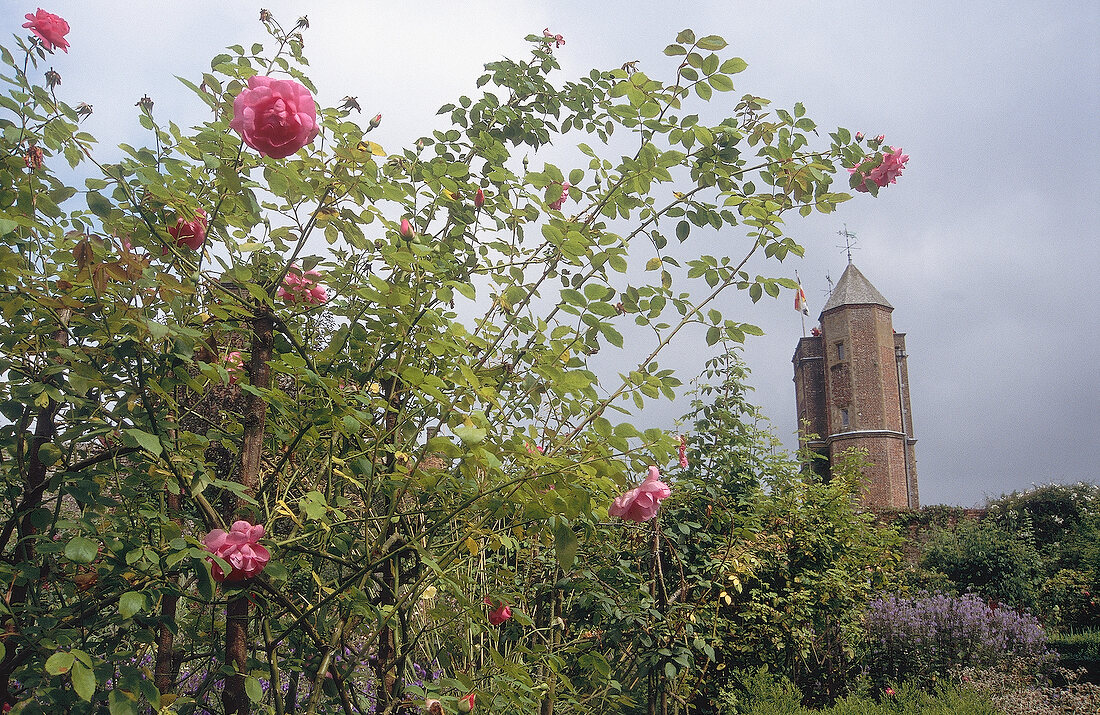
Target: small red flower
pixel 466 704
pixel 189 233
pixel 498 615
pixel 479 199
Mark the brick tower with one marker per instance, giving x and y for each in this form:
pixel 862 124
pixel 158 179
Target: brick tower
pixel 852 390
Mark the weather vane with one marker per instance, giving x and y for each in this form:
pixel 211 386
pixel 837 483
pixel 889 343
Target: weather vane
pixel 849 241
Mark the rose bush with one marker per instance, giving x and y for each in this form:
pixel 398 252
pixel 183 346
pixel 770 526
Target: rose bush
pixel 380 440
pixel 276 117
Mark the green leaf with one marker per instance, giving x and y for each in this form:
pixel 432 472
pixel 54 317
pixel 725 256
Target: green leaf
pixel 81 550
pixel 613 336
pixel 313 505
pixel 733 65
pixel 83 681
pixel 59 663
pixel 99 204
pixel 130 603
pixel 721 82
pixel 204 582
pixel 674 50
pixel 653 264
pixel 469 434
pixel 120 702
pixel 682 230
pixel 565 545
pixel 686 36
pixel 253 690
pixel 711 42
pixel 149 442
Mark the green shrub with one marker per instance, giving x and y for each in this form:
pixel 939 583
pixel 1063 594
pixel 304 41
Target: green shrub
pixel 997 562
pixel 765 693
pixel 1079 650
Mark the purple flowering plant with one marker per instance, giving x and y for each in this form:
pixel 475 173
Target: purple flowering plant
pixel 922 637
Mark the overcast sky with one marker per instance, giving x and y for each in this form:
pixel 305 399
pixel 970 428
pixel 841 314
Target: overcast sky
pixel 986 247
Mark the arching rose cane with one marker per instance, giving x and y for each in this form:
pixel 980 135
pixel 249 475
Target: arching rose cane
pixel 641 503
pixel 240 546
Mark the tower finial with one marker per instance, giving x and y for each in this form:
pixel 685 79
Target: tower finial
pixel 849 241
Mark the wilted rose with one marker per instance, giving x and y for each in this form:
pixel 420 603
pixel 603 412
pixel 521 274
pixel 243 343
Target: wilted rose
pixel 302 287
pixel 276 117
pixel 558 40
pixel 887 172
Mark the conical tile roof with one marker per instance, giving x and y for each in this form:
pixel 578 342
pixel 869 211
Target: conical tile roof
pixel 853 288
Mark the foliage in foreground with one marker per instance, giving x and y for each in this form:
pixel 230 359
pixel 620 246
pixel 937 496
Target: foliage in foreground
pixel 412 413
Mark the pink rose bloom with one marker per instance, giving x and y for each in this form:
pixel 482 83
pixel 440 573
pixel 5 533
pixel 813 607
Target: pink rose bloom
pixel 682 450
pixel 48 28
pixel 641 503
pixel 302 287
pixel 189 233
pixel 886 172
pixel 234 365
pixel 558 39
pixel 500 614
pixel 564 195
pixel 406 229
pixel 276 117
pixel 240 546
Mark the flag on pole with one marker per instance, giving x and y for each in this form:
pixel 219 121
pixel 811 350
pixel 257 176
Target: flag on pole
pixel 800 301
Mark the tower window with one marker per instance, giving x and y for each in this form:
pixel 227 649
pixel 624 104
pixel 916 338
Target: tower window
pixel 844 422
pixel 840 351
